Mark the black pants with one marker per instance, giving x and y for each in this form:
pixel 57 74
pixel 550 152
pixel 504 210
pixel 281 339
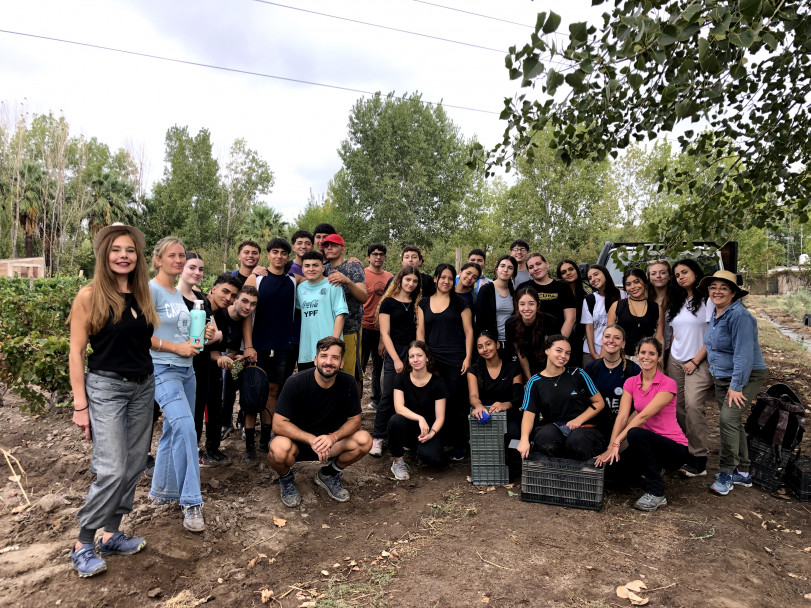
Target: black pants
pixel 229 397
pixel 581 444
pixel 385 407
pixel 404 432
pixel 370 341
pixel 646 455
pixel 457 406
pixel 208 398
pixel 201 374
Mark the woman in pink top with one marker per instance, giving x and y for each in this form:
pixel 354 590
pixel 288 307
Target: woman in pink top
pixel 647 422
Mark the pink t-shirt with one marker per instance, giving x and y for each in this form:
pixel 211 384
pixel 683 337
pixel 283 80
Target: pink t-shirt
pixel 664 423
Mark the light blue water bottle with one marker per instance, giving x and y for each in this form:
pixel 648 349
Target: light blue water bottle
pixel 197 327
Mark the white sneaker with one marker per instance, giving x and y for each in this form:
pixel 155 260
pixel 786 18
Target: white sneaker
pixel 377 448
pixel 400 470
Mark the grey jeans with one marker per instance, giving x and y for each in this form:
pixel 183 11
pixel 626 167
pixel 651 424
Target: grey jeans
pixel 120 419
pixel 734 448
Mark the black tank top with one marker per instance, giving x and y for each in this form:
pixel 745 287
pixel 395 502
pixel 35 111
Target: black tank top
pixel 637 328
pixel 123 347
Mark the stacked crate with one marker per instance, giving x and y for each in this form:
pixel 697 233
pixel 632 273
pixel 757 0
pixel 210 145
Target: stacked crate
pixel 487 457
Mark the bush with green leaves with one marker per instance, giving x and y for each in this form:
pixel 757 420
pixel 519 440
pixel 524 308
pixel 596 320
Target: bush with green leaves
pixel 35 338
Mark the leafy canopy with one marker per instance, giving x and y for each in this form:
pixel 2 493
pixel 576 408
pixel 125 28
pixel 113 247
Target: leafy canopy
pixel 731 78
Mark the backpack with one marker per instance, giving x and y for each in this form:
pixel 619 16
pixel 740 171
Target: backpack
pixel 778 418
pixel 253 394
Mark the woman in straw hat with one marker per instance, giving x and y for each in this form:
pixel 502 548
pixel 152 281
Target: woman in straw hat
pixel 738 371
pixel 112 404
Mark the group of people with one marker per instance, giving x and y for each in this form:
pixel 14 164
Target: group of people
pixel 579 370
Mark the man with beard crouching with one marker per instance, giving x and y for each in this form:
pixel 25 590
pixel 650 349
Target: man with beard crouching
pixel 318 418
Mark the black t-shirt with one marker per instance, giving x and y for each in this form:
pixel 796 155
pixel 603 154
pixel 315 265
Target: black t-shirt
pixel 421 399
pixel 402 322
pixel 555 298
pixel 637 328
pixel 445 332
pixel 610 381
pixel 559 399
pixel 318 410
pixel 239 277
pixel 495 389
pixel 231 331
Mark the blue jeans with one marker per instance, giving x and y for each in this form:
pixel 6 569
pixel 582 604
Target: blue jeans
pixel 177 468
pixel 121 419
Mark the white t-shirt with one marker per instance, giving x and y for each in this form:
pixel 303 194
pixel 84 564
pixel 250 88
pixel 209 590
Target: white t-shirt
pixel 598 318
pixel 688 331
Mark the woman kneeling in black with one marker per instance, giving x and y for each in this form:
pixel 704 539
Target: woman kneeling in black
pixel 560 408
pixel 419 402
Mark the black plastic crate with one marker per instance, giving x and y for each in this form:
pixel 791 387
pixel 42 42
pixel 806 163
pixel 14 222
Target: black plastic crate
pixel 563 482
pixel 767 471
pixel 798 478
pixel 489 475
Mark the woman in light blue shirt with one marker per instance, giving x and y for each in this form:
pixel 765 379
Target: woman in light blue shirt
pixel 738 370
pixel 177 471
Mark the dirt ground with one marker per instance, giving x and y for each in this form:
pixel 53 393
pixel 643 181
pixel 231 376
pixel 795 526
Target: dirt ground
pixel 435 540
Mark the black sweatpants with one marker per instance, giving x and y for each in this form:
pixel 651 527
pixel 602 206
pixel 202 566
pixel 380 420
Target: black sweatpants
pixel 457 407
pixel 646 455
pixel 581 444
pixel 385 407
pixel 404 432
pixel 200 363
pixel 208 399
pixel 370 341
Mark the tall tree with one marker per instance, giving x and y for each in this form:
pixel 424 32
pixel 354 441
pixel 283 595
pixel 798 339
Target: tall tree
pixel 741 70
pixel 403 177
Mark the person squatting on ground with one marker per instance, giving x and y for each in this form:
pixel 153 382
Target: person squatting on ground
pixel 738 370
pixel 397 319
pixel 647 421
pixel 419 402
pixel 560 408
pixel 113 402
pixel 318 418
pixel 177 471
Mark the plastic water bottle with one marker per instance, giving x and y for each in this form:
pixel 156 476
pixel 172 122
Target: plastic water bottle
pixel 197 327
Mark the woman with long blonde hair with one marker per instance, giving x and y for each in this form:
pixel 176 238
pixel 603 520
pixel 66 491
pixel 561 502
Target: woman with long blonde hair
pixel 112 403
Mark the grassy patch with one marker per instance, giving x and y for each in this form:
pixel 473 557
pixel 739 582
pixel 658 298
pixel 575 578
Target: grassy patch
pixel 796 304
pixel 453 509
pixel 353 595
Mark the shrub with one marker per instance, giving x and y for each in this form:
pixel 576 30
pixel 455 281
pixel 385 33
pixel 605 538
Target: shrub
pixel 35 338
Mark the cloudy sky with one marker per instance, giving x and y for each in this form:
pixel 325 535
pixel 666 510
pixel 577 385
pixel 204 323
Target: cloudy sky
pixel 296 127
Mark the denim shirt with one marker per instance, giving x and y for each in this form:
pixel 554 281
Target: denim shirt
pixel 732 346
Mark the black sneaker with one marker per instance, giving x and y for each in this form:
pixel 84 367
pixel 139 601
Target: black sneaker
pixel 207 460
pixel 149 470
pixel 250 454
pixel 226 432
pixel 691 470
pixel 332 484
pixel 264 447
pixel 290 494
pixel 220 457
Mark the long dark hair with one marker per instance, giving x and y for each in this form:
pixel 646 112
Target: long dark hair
pixel 529 339
pixel 612 293
pixel 678 294
pixel 579 291
pixel 429 360
pixel 457 303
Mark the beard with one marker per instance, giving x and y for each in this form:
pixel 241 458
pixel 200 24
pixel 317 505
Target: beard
pixel 326 372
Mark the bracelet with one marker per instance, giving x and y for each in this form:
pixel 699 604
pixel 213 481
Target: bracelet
pixel 160 345
pixel 616 445
pixel 81 410
pixel 432 431
pixel 252 348
pixel 693 361
pixel 334 438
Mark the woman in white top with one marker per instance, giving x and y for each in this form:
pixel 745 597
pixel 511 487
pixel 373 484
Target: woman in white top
pixel 689 316
pixel 594 315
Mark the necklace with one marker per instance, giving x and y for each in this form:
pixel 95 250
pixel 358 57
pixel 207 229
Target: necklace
pixel 611 369
pixel 555 384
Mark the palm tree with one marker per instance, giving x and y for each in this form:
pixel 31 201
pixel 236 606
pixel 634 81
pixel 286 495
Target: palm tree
pixel 112 201
pixel 264 223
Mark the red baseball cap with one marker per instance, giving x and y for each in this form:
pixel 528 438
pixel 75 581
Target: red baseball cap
pixel 334 238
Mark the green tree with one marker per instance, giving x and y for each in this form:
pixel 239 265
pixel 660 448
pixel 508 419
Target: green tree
pixel 262 224
pixel 403 178
pixel 740 70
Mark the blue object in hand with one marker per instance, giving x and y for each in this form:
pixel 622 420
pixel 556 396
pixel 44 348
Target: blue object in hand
pixel 485 417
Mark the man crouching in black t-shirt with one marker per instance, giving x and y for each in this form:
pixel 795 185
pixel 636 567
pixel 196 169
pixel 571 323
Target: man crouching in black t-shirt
pixel 318 418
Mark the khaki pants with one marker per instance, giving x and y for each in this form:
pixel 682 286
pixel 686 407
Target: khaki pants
pixel 734 448
pixel 352 355
pixel 690 403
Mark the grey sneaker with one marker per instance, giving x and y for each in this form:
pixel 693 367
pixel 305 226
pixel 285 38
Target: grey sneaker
pixel 377 448
pixel 400 470
pixel 193 518
pixel 649 502
pixel 121 544
pixel 290 496
pixel 86 562
pixel 739 479
pixel 333 486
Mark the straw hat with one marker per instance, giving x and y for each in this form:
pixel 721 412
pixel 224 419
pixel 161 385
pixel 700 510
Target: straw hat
pixel 727 277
